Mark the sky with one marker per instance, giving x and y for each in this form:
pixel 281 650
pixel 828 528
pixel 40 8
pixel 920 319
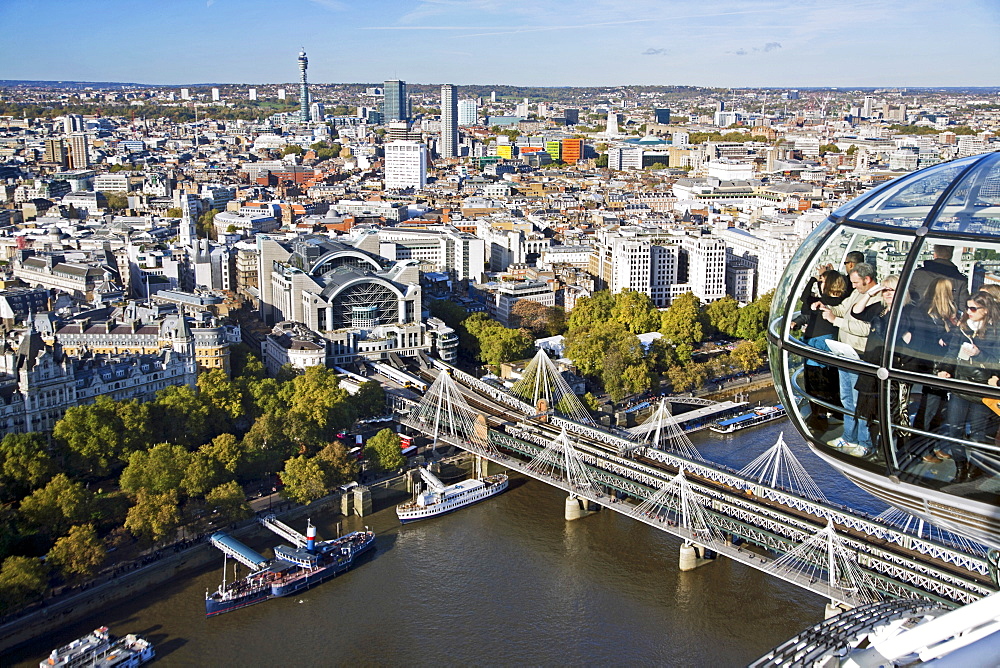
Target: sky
pixel 724 43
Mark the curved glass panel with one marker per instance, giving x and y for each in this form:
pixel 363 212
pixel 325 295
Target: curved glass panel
pixel 974 205
pixel 908 201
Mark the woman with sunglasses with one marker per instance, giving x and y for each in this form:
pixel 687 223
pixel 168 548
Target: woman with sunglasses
pixel 973 355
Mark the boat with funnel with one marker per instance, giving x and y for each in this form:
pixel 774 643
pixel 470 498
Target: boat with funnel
pixel 305 563
pixel 439 499
pixel 100 648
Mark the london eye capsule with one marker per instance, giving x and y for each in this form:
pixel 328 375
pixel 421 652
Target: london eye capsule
pixel 884 343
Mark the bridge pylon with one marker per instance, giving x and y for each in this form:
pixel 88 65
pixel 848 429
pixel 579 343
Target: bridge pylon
pixel 824 557
pixel 778 468
pixel 541 380
pixel 443 411
pixel 561 461
pixel 661 432
pixel 676 503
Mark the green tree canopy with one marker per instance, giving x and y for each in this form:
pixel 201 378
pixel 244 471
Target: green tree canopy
pixel 340 466
pixel 636 311
pixel 686 377
pixel 57 506
pixel 22 580
pixel 229 499
pixel 384 450
pixel 591 310
pixel 305 479
pixel 723 316
pixel 681 325
pixel 753 318
pixel 180 416
pixel 154 516
pixel 94 433
pixel 746 356
pixel 78 553
pixel 369 400
pixel 157 470
pixel 25 464
pixel 117 201
pixel 202 473
pixel 318 409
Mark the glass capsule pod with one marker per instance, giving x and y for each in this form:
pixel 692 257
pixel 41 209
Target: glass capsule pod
pixel 884 343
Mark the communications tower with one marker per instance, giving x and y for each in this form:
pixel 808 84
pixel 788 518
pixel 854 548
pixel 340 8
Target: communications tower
pixel 303 88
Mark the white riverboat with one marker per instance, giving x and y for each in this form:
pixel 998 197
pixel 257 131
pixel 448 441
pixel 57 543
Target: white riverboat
pixel 439 498
pixel 100 649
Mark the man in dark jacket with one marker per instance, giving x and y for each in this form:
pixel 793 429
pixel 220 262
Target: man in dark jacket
pixel 940 266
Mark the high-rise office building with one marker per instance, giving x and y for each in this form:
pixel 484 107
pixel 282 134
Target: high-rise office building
pixel 449 121
pixel 572 151
pixel 662 116
pixel 405 165
pixel 281 94
pixel 79 151
pixel 572 116
pixel 185 93
pixel 253 94
pixel 303 88
pixel 55 152
pixel 215 95
pixel 468 112
pixel 73 123
pixel 394 107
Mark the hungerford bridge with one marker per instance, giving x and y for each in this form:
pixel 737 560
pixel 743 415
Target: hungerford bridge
pixel 770 515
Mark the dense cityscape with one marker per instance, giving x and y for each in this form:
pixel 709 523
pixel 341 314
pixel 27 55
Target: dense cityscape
pixel 198 279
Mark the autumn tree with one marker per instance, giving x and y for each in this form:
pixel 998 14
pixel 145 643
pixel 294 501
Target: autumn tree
pixel 383 448
pixel 340 466
pixel 78 553
pixel 318 409
pixel 611 355
pixel 746 356
pixel 687 377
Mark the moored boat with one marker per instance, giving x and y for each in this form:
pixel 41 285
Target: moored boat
pixel 439 499
pixel 757 416
pixel 294 568
pixel 100 648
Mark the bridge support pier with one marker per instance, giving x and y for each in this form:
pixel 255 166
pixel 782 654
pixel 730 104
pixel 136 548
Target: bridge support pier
pixel 693 556
pixel 486 467
pixel 577 507
pixel 833 609
pixel 357 500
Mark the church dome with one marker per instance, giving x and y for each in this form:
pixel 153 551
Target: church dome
pixel 882 387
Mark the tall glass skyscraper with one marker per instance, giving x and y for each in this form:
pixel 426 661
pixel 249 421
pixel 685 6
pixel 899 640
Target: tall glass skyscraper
pixel 394 104
pixel 449 121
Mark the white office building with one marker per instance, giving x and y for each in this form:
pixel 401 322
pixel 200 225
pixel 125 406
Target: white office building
pixel 405 165
pixel 468 112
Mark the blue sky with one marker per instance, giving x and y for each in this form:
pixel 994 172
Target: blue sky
pixel 520 42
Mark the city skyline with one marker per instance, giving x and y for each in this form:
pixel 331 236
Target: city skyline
pixel 772 43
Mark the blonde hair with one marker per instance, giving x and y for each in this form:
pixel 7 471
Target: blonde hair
pixel 940 304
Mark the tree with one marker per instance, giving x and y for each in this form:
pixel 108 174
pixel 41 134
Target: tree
pixel 305 479
pixel 340 465
pixel 223 397
pixel 318 409
pixel 94 433
pixel 591 310
pixel 205 227
pixel 154 516
pixel 174 212
pixel 383 449
pixel 685 377
pixel 369 401
pixel 636 311
pixel 227 450
pixel 80 552
pixel 292 148
pixel 529 315
pixel 754 317
pixel 203 472
pixel 180 416
pixel 829 148
pixel 610 354
pixel 723 316
pixel 57 506
pixel 22 580
pixel 746 357
pixel 26 464
pixel 229 499
pixel 157 470
pixel 117 201
pixel 136 423
pixel 681 324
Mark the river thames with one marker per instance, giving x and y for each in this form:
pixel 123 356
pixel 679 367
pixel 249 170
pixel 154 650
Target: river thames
pixel 508 581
